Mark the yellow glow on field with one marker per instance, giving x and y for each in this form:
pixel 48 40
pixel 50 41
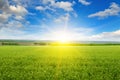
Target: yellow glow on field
pixel 64 52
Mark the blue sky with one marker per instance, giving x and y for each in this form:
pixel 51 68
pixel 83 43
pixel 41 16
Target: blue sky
pixel 46 19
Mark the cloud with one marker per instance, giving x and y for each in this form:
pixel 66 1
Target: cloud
pixel 40 8
pixel 9 10
pixel 113 10
pixel 19 18
pixel 17 24
pixel 18 10
pixel 67 6
pixel 7 33
pixel 52 8
pixel 4 5
pixel 74 33
pixel 10 29
pixel 24 3
pixel 84 2
pixel 12 9
pixel 113 36
pixel 12 25
pixel 83 30
pixel 10 14
pixel 4 17
pixel 48 1
pixel 62 19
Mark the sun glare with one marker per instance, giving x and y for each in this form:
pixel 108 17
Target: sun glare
pixel 62 36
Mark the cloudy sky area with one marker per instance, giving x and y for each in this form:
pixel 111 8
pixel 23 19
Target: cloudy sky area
pixel 41 19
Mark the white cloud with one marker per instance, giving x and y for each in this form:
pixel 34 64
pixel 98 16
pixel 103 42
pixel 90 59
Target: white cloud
pixel 48 1
pixel 83 30
pixel 11 25
pixel 62 19
pixel 113 10
pixel 84 2
pixel 18 10
pixel 73 33
pixel 10 14
pixel 113 36
pixel 19 18
pixel 12 9
pixel 9 30
pixel 75 14
pixel 4 5
pixel 7 33
pixel 4 17
pixel 24 3
pixel 67 6
pixel 14 24
pixel 40 8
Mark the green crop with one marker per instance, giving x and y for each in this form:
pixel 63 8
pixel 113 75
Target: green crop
pixel 60 63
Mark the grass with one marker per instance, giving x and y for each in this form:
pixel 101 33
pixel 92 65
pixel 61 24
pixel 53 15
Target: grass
pixel 60 63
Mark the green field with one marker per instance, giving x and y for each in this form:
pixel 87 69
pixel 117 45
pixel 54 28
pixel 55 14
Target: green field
pixel 60 63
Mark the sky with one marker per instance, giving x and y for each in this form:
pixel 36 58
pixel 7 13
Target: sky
pixel 94 20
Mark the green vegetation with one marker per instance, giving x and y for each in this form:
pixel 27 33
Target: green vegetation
pixel 57 43
pixel 8 43
pixel 60 63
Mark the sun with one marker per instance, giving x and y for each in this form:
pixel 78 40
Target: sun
pixel 62 36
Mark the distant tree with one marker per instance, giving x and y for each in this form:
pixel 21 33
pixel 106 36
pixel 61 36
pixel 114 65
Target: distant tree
pixel 9 43
pixel 40 44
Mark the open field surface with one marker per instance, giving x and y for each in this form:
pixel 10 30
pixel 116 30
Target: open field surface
pixel 60 63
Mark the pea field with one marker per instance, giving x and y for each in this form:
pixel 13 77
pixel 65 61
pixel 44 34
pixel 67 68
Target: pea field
pixel 60 63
